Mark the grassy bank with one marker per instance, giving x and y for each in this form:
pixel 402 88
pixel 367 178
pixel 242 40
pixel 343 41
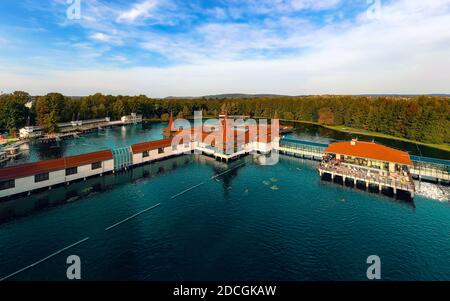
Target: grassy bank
pixel 346 129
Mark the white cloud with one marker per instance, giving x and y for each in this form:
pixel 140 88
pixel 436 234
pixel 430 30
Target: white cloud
pixel 272 6
pixel 119 59
pixel 101 37
pixel 314 4
pixel 235 41
pixel 140 10
pixel 114 37
pixel 404 51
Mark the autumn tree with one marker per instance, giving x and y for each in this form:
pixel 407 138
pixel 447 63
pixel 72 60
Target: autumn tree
pixel 326 116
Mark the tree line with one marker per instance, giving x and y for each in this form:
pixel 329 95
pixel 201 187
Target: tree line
pixel 420 118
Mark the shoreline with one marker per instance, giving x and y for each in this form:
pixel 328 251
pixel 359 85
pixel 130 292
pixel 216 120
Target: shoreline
pixel 349 130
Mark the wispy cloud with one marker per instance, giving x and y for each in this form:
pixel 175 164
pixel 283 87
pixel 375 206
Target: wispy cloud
pixel 244 8
pixel 284 47
pixel 140 10
pixel 119 59
pixel 101 37
pixel 267 6
pixel 114 37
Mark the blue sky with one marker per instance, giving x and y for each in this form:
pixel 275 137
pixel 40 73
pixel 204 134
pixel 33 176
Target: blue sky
pixel 180 47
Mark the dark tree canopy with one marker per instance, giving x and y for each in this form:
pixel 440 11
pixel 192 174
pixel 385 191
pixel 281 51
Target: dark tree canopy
pixel 421 118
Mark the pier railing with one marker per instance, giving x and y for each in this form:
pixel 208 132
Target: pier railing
pixel 403 183
pixel 302 147
pixel 422 166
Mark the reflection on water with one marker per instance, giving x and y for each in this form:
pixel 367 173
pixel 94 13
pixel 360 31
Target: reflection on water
pixel 234 228
pixel 63 194
pixel 309 164
pixel 103 139
pixel 125 136
pixel 76 191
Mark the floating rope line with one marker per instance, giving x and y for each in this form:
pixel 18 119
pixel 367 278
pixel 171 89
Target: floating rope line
pixel 187 190
pixel 44 259
pixel 131 217
pixel 227 171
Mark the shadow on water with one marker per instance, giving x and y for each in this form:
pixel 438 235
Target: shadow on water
pixel 76 191
pixel 219 167
pixel 64 194
pixel 387 195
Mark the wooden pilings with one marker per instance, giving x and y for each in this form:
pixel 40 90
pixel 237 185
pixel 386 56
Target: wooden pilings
pixel 364 184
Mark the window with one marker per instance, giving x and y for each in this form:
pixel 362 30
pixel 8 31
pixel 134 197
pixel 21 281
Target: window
pixel 96 165
pixel 160 150
pixel 7 184
pixel 71 171
pixel 145 154
pixel 41 177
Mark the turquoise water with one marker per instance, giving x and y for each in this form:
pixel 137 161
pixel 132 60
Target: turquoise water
pixel 253 223
pixel 112 138
pixel 125 136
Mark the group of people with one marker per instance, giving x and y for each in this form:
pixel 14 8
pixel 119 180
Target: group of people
pixel 400 179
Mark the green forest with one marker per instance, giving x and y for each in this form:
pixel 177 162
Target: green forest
pixel 420 118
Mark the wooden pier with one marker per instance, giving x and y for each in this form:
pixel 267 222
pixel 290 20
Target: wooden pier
pixel 423 168
pixel 355 174
pixel 57 137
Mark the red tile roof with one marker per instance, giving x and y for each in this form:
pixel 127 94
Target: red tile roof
pixel 167 132
pixel 147 146
pixel 219 136
pixel 370 150
pixel 87 159
pixel 31 169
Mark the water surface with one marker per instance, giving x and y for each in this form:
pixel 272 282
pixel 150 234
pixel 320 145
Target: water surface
pixel 253 223
pixel 127 135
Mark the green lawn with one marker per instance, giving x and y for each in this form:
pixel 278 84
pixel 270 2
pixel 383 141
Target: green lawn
pixel 346 129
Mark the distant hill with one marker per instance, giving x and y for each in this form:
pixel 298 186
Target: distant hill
pixel 243 95
pixel 228 96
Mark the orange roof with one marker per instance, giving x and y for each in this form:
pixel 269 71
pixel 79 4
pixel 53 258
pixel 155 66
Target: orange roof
pixel 220 135
pixel 369 150
pixel 31 169
pixel 170 128
pixel 147 146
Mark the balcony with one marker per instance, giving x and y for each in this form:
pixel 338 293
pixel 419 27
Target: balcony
pixel 397 180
